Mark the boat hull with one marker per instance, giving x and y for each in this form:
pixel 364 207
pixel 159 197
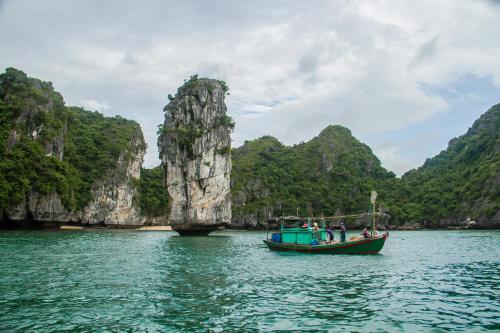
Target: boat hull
pixel 364 246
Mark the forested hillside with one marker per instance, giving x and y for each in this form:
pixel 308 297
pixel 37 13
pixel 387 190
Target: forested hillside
pixel 47 148
pixel 462 181
pixel 333 173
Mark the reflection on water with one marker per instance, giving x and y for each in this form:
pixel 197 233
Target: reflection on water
pixel 155 281
pixel 196 280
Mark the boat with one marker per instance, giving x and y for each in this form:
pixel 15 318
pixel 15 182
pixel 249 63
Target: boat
pixel 305 238
pixel 363 246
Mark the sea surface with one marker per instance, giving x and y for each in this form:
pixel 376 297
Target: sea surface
pixel 132 281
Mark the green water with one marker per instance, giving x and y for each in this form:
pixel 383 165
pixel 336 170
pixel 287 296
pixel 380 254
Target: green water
pixel 129 281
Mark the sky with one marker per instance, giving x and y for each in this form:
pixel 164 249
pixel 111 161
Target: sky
pixel 404 76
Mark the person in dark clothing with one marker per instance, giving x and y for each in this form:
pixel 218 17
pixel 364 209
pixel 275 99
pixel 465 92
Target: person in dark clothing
pixel 329 232
pixel 342 232
pixel 366 233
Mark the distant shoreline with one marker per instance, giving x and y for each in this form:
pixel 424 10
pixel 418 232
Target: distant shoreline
pixel 73 227
pixel 388 229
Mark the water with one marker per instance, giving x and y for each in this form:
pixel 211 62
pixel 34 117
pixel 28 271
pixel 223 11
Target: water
pixel 128 281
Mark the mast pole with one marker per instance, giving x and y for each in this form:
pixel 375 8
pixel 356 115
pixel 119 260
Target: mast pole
pixel 373 219
pixel 373 199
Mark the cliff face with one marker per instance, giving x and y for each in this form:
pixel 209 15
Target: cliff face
pixel 64 165
pixel 111 203
pixel 196 156
pixel 113 197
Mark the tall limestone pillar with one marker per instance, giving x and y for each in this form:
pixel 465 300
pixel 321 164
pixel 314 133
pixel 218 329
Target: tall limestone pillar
pixel 195 149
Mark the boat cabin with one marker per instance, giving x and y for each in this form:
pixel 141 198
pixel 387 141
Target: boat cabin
pixel 300 231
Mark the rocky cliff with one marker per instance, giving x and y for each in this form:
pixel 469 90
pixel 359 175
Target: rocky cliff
pixel 111 203
pixel 113 197
pixel 195 149
pixel 64 165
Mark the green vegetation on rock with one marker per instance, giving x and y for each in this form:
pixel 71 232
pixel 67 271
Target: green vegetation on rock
pixel 31 114
pixel 27 168
pixel 226 150
pixel 185 134
pixel 153 195
pixel 332 173
pixel 461 181
pixel 46 147
pixel 23 100
pixel 94 143
pixel 225 121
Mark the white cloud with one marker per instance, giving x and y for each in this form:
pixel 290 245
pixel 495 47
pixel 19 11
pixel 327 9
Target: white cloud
pixel 94 105
pixel 292 67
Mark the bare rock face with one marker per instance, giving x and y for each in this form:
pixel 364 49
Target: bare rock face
pixel 195 149
pixel 41 209
pixel 111 204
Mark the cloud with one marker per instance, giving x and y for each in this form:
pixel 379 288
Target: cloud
pixel 292 67
pixel 94 105
pixel 425 52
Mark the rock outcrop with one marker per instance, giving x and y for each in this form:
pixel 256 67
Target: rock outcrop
pixel 195 149
pixel 111 203
pixel 113 197
pixel 62 164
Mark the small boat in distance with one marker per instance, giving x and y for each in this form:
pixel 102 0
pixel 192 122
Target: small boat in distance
pixel 316 240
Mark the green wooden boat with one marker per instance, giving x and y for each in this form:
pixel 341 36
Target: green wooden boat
pixel 315 239
pixel 364 246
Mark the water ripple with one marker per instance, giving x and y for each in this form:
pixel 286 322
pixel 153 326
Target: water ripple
pixel 114 281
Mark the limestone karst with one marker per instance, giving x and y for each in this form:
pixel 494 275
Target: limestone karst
pixel 62 164
pixel 195 150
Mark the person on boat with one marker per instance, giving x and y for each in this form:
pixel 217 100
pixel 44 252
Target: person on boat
pixel 315 230
pixel 329 234
pixel 366 233
pixel 342 232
